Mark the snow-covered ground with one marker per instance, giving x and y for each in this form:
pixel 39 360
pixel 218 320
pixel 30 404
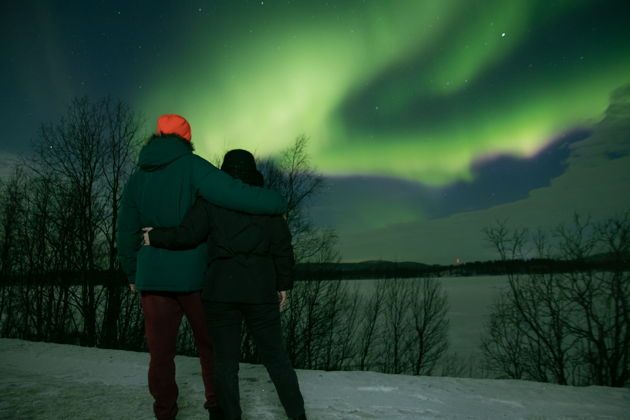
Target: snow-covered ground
pixel 53 381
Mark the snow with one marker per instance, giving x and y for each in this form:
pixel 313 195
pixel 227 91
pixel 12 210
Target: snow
pixel 54 381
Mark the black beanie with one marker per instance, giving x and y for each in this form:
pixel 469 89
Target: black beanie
pixel 241 164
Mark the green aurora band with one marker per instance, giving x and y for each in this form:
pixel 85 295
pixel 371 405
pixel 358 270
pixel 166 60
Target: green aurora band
pixel 411 89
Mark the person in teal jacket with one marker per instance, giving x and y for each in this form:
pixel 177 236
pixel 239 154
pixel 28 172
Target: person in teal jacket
pixel 167 182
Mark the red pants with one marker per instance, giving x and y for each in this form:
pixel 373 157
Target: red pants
pixel 162 316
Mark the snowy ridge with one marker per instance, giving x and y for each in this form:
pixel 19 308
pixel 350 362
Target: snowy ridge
pixel 55 381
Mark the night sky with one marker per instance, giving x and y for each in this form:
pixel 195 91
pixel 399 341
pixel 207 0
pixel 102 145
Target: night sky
pixel 429 119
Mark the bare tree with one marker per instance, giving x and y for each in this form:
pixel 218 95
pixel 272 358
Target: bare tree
pixel 369 326
pixel 346 343
pixel 13 206
pixel 121 141
pixel 504 344
pixel 88 151
pixel 429 307
pixel 340 308
pixel 396 325
pixel 292 175
pixel 601 301
pixel 508 242
pixel 57 226
pixel 569 327
pixel 72 151
pixel 33 304
pixel 414 325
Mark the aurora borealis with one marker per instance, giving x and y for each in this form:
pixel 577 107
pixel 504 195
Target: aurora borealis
pixel 417 111
pixel 431 86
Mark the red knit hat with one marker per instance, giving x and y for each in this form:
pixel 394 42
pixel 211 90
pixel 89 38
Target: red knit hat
pixel 174 124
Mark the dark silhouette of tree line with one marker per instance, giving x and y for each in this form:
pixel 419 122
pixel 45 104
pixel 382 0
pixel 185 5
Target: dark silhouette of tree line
pixel 58 224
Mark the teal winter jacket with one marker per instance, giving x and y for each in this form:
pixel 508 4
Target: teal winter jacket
pixel 166 184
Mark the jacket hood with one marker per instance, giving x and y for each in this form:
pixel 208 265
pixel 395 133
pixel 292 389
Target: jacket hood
pixel 161 151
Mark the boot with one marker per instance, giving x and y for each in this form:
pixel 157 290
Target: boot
pixel 215 413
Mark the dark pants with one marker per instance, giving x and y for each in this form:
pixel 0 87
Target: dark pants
pixel 263 323
pixel 162 316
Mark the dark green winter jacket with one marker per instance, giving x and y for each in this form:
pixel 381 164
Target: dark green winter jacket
pixel 166 184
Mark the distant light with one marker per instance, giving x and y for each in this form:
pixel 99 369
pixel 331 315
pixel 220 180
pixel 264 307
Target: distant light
pixel 503 35
pixel 457 260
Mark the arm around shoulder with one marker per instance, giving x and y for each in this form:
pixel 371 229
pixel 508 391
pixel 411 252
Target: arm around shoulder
pixel 221 189
pixel 193 230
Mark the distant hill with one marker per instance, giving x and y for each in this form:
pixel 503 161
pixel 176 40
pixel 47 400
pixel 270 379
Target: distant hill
pixel 362 270
pixel 390 269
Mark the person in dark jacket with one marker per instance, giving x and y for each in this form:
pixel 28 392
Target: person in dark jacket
pixel 168 181
pixel 250 268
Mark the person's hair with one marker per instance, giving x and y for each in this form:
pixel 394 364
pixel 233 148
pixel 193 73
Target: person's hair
pixel 172 136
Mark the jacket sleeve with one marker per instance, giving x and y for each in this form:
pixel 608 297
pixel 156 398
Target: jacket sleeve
pixel 223 190
pixel 128 238
pixel 282 253
pixel 191 232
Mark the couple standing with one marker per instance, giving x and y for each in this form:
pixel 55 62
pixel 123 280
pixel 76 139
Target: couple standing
pixel 215 265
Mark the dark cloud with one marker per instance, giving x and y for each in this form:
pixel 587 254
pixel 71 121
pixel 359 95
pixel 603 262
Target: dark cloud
pixel 504 179
pixel 355 202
